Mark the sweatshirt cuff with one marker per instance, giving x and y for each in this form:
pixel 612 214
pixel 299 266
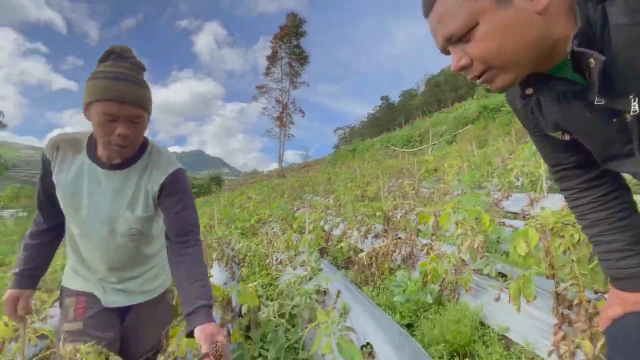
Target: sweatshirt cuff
pixel 627 284
pixel 23 282
pixel 199 316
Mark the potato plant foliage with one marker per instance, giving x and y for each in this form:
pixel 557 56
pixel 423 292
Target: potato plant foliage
pixel 445 192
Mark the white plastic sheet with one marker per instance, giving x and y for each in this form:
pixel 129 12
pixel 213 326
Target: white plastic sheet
pixel 533 326
pixel 372 325
pixel 531 204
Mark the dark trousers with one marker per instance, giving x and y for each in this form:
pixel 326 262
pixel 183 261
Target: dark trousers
pixel 623 338
pixel 136 332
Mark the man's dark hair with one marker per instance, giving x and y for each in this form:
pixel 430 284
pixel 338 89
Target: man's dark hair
pixel 427 6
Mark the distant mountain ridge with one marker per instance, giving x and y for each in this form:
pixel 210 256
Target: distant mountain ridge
pixel 194 161
pixel 198 161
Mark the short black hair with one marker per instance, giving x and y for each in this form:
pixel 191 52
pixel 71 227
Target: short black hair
pixel 427 6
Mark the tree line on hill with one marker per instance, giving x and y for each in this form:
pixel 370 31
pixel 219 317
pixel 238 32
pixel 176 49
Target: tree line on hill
pixel 434 93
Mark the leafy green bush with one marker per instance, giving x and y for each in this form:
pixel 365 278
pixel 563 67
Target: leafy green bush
pixel 18 196
pixel 206 185
pixel 5 165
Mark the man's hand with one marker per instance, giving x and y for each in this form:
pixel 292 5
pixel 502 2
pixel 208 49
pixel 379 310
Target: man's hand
pixel 17 304
pixel 618 304
pixel 213 341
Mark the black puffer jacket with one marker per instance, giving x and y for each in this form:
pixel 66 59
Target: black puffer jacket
pixel 601 121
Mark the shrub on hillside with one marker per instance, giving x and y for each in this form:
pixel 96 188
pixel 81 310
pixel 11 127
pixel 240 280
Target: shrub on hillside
pixel 206 185
pixel 4 166
pixel 18 197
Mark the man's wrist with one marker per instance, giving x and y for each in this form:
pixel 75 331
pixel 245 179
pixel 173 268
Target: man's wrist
pixel 199 316
pixel 22 282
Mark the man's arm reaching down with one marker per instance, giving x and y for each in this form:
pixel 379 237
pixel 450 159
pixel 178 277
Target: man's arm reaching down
pixel 184 249
pixel 599 198
pixel 41 242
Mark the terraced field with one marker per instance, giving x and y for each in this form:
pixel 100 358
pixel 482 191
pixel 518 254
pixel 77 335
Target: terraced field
pixel 24 163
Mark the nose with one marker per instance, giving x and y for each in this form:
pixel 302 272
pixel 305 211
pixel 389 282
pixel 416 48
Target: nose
pixel 123 131
pixel 460 62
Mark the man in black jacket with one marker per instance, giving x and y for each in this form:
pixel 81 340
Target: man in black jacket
pixel 568 67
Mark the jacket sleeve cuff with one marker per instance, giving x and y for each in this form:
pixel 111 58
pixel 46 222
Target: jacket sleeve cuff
pixel 626 284
pixel 22 282
pixel 199 316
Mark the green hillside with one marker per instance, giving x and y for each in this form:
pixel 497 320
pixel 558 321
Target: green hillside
pixel 264 227
pixel 21 163
pixel 450 183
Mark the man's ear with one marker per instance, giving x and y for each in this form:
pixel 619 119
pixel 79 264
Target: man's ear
pixel 85 111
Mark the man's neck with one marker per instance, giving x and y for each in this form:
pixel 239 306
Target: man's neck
pixel 566 26
pixel 109 159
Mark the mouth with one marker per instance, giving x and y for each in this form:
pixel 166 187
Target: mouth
pixel 484 77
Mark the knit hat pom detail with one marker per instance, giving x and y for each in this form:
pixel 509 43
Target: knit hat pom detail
pixel 122 54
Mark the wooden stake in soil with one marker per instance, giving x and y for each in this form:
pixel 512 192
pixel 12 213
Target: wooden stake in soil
pixel 306 219
pixel 430 139
pixel 22 342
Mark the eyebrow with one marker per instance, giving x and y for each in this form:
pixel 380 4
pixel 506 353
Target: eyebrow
pixel 448 41
pixel 118 116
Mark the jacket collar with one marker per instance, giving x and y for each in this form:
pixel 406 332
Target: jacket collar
pixel 585 49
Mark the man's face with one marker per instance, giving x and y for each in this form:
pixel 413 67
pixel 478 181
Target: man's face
pixel 118 128
pixel 497 45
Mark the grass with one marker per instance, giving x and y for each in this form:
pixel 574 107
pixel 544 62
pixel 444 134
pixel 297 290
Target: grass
pixel 272 226
pixel 8 152
pixel 10 237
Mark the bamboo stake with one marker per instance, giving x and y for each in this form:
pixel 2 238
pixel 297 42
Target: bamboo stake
pixel 22 342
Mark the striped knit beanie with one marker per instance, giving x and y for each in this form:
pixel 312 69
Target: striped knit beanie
pixel 119 77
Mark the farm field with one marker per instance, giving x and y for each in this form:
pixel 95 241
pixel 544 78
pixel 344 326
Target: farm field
pixel 386 217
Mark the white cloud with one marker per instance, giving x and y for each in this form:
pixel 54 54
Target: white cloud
pixel 53 13
pixel 22 65
pixel 273 6
pixel 189 24
pixel 71 62
pixel 70 118
pixel 181 100
pixel 126 24
pixel 130 22
pixel 15 12
pixel 78 13
pixel 192 105
pixel 266 7
pixel 216 49
pixel 29 140
pixel 293 156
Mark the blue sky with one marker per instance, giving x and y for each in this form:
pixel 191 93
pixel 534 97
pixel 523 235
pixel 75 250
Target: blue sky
pixel 203 61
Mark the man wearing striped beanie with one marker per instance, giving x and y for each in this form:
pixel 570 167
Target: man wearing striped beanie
pixel 124 206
